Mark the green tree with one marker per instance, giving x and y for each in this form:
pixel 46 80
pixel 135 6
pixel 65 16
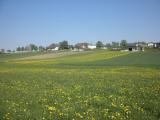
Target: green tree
pixel 18 49
pixel 8 51
pixel 41 48
pixel 2 50
pixel 99 44
pixel 115 44
pixel 33 47
pixel 71 47
pixel 123 43
pixel 22 48
pixel 63 45
pixel 108 45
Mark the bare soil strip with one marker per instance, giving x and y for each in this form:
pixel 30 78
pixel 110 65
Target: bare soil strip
pixel 51 55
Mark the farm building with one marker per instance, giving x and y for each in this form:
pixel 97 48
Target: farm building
pixel 150 44
pixel 53 47
pixel 157 45
pixel 82 45
pixel 134 47
pixel 85 46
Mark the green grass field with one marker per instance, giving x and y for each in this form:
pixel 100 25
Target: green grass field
pixel 95 85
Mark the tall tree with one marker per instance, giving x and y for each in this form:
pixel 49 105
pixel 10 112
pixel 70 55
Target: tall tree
pixel 123 43
pixel 8 51
pixel 33 47
pixel 63 45
pixel 71 47
pixel 115 44
pixel 22 48
pixel 108 45
pixel 2 50
pixel 18 49
pixel 99 44
pixel 41 48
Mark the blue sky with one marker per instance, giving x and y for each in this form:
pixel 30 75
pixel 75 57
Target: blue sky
pixel 48 21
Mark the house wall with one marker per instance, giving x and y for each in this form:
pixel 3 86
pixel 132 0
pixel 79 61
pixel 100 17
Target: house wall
pixel 91 46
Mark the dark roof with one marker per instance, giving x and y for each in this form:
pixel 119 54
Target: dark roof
pixel 131 45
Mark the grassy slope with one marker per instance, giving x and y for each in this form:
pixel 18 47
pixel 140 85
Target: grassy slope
pixel 98 85
pixel 9 56
pixel 149 58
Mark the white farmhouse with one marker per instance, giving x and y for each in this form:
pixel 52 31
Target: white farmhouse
pixel 91 46
pixel 56 48
pixel 150 44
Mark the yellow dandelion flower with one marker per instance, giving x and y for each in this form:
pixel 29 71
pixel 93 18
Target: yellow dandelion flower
pixel 79 115
pixel 61 114
pixel 114 105
pixel 51 108
pixel 93 118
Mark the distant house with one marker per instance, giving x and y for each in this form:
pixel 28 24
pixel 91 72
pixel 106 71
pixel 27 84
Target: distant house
pixel 53 47
pixel 157 45
pixel 150 44
pixel 134 47
pixel 85 46
pixel 56 48
pixel 81 45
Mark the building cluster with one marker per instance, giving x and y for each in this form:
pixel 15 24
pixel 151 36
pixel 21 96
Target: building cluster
pixel 139 46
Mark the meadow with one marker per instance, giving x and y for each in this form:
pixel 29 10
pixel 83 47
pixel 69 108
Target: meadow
pixel 95 85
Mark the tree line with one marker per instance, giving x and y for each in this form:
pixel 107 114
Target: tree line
pixel 64 45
